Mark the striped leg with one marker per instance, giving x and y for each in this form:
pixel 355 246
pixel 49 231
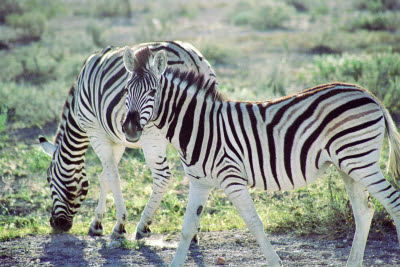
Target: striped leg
pixel 154 149
pixel 243 202
pixel 110 155
pixel 96 227
pixel 386 194
pixel 198 194
pixel 363 211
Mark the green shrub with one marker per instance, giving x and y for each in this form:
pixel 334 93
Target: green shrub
pixel 8 7
pixel 107 8
pixel 32 24
pixel 381 21
pixel 378 5
pixel 379 73
pixel 262 16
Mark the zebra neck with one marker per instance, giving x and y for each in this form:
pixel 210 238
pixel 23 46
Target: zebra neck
pixel 71 140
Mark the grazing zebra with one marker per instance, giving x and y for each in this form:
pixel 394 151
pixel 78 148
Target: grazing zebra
pixel 93 113
pixel 279 144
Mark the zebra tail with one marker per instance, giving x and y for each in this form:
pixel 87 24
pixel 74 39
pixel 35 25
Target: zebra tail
pixel 394 144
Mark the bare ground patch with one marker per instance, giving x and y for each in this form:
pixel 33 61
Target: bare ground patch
pixel 236 248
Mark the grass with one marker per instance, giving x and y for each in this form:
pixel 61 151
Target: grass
pixel 257 51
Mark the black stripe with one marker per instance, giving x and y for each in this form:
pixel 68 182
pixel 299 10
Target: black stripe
pixel 361 167
pixel 186 130
pixel 210 137
pixel 246 140
pixel 351 130
pixel 355 156
pixel 253 121
pixel 355 143
pixel 199 137
pixel 328 118
pixel 232 127
pixel 292 129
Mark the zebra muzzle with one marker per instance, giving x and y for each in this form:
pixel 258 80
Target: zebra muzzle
pixel 131 127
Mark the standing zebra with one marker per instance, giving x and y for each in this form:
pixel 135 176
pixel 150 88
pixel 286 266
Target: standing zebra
pixel 280 144
pixel 93 113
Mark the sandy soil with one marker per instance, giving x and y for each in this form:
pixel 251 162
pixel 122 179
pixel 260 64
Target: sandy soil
pixel 233 248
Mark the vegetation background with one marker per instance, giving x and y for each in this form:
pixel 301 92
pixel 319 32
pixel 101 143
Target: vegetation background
pixel 259 50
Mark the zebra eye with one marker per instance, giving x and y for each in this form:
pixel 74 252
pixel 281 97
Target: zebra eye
pixel 152 92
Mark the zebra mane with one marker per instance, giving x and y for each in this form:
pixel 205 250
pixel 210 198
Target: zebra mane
pixel 64 116
pixel 141 61
pixel 203 85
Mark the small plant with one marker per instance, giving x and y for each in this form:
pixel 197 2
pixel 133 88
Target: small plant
pixel 119 8
pixel 262 16
pixel 3 119
pixel 381 21
pixel 377 5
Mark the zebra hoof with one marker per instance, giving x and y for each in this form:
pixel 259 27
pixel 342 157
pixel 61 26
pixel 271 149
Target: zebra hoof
pixel 143 233
pixel 96 230
pixel 118 233
pixel 195 240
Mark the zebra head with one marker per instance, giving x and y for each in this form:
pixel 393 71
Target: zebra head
pixel 142 87
pixel 68 186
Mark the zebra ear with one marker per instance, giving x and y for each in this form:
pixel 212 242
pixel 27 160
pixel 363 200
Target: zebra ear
pixel 47 147
pixel 129 59
pixel 160 62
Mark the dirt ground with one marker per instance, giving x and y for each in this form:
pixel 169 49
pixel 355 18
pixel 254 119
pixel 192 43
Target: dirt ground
pixel 232 248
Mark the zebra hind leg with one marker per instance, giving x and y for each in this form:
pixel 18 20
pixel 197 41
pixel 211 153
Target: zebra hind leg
pixel 363 211
pixel 96 227
pixel 243 202
pixel 386 194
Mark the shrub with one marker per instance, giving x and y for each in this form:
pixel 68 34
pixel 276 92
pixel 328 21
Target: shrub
pixel 262 16
pixel 378 5
pixel 119 8
pixel 32 24
pixel 382 21
pixel 379 73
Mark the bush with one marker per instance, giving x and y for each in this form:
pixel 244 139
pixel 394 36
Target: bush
pixel 378 5
pixel 32 24
pixel 379 73
pixel 119 8
pixel 382 21
pixel 262 16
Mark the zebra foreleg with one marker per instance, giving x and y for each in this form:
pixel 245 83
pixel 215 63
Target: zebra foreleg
pixel 198 195
pixel 243 202
pixel 110 155
pixel 96 227
pixel 363 211
pixel 154 149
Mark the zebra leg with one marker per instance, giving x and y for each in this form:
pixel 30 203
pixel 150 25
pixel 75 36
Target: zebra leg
pixel 363 211
pixel 96 227
pixel 386 194
pixel 198 195
pixel 110 155
pixel 154 150
pixel 243 202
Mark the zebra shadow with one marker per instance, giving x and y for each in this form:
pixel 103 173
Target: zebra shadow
pixel 64 249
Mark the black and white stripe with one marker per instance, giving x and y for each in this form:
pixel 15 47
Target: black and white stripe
pixel 280 144
pixel 93 113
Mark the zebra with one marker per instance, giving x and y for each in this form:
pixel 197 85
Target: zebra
pixel 280 144
pixel 93 114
